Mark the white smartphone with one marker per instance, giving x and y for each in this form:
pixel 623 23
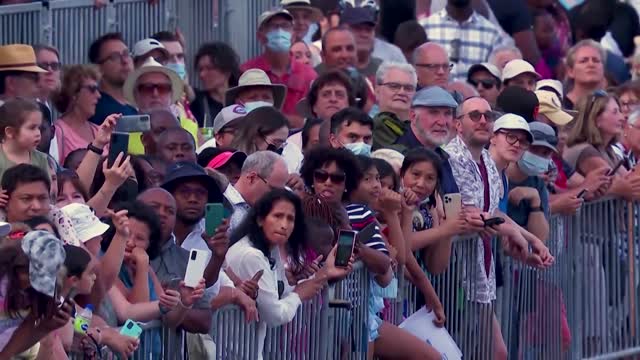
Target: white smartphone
pixel 195 267
pixel 452 205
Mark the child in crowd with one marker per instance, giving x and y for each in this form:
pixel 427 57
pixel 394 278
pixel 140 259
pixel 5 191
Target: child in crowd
pixel 29 266
pixel 385 339
pixel 20 121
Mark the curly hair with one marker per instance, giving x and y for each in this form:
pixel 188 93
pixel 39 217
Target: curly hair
pixel 72 78
pixel 223 57
pixel 344 159
pixel 314 206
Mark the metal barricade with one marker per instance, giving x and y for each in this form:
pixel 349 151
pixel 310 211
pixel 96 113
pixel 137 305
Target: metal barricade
pixel 302 337
pixel 22 23
pixel 233 336
pixel 156 342
pixel 349 316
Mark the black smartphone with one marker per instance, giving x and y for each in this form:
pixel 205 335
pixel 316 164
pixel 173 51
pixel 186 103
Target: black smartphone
pixel 615 168
pixel 119 144
pixel 346 241
pixel 493 221
pixel 581 194
pixel 367 233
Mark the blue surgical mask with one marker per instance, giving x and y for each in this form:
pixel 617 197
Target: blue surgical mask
pixel 359 148
pixel 533 165
pixel 252 105
pixel 179 68
pixel 279 40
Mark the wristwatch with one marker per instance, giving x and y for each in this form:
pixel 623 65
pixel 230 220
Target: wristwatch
pixel 94 149
pixel 536 209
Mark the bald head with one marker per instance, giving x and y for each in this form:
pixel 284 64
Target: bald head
pixel 176 144
pixel 432 64
pixel 164 205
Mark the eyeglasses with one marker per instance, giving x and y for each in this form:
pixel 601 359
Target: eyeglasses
pixel 90 88
pixel 286 26
pixel 592 101
pixel 551 139
pixel 322 176
pixel 475 116
pixel 394 86
pixel 123 56
pixel 148 88
pixel 51 66
pixel 436 67
pixel 512 139
pixel 271 187
pixel 487 84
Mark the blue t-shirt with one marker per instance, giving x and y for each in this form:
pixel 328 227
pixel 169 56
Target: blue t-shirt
pixel 520 213
pixel 107 105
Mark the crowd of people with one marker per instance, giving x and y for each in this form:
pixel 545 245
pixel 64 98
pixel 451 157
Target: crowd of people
pixel 330 128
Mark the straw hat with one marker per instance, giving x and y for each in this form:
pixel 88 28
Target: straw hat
pixel 316 14
pixel 252 78
pixel 152 66
pixel 19 57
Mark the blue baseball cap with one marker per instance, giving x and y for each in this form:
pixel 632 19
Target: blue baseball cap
pixel 434 96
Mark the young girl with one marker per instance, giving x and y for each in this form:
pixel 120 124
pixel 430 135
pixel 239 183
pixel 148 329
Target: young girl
pixel 20 121
pixel 387 340
pixel 80 280
pixel 28 309
pixel 431 234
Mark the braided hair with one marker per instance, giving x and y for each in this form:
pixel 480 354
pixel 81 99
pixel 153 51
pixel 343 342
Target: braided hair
pixel 314 206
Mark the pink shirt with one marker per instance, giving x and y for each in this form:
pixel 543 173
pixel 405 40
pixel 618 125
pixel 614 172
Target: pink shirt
pixel 298 80
pixel 69 140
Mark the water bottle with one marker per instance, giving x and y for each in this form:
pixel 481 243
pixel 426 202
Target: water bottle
pixel 83 320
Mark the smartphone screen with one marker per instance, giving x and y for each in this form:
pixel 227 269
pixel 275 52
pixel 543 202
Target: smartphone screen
pixel 119 144
pixel 345 247
pixel 214 214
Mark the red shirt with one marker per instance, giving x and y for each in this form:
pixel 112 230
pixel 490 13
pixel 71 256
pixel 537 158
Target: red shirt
pixel 298 80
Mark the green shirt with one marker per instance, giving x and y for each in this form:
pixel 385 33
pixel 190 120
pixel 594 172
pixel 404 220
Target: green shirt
pixel 387 128
pixel 38 159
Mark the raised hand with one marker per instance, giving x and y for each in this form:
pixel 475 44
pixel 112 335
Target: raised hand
pixel 189 295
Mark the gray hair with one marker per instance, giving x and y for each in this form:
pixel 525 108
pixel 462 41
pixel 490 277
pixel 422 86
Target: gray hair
pixel 499 49
pixel 571 53
pixel 634 117
pixel 426 46
pixel 387 66
pixel 262 162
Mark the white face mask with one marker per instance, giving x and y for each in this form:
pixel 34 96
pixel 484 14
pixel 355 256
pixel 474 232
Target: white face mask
pixel 252 105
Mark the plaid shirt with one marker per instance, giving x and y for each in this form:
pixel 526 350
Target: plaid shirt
pixel 479 286
pixel 475 38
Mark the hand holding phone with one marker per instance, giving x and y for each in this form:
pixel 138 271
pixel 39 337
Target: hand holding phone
pixel 198 260
pixel 581 194
pixel 615 168
pixel 131 329
pixel 133 123
pixel 494 221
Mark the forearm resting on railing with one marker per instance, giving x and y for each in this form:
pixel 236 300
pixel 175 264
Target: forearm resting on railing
pixel 375 261
pixel 197 321
pixel 396 239
pixel 425 238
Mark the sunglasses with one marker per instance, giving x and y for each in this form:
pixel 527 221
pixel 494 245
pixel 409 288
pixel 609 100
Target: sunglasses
pixel 52 66
pixel 90 88
pixel 476 115
pixel 592 101
pixel 486 84
pixel 149 89
pixel 322 176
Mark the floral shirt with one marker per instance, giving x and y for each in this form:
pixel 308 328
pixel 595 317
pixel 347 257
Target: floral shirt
pixel 482 286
